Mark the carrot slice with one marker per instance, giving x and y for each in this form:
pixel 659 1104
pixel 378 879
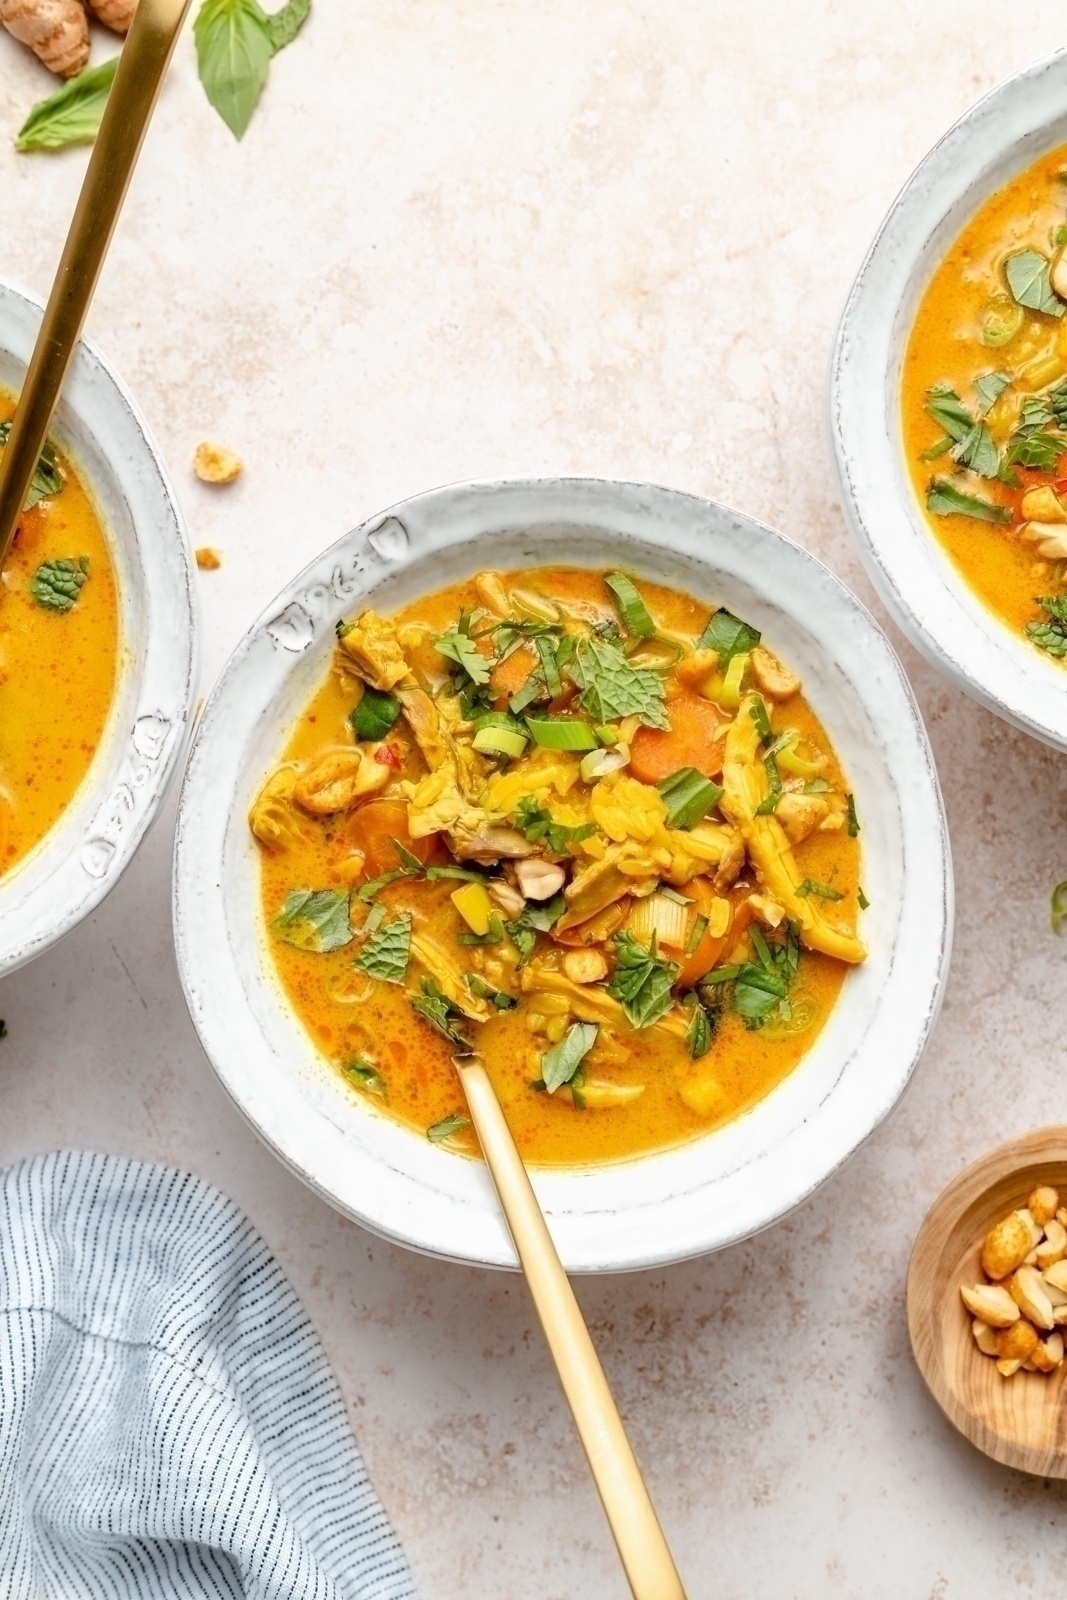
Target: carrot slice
pixel 694 739
pixel 373 829
pixel 508 678
pixel 709 949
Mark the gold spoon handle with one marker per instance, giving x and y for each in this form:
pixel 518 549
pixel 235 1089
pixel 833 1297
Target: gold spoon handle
pixel 138 78
pixel 645 1556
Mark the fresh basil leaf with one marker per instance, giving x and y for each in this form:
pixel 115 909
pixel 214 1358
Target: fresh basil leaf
pixel 485 991
pixel 233 51
pixel 688 796
pixel 758 993
pixel 523 938
pixel 388 950
pixel 1038 451
pixel 989 387
pixel 949 411
pixel 703 1022
pixel 314 919
pixel 436 1009
pixel 559 1064
pixel 364 1076
pixel 1028 280
pixel 493 934
pixel 728 636
pixel 375 714
pixel 637 619
pixel 611 689
pixel 447 1127
pixel 546 654
pixel 57 584
pixel 642 981
pixel 769 804
pixel 978 452
pixel 284 25
pixel 822 891
pixel 71 115
pixel 458 646
pixel 944 499
pixel 1057 399
pixel 546 914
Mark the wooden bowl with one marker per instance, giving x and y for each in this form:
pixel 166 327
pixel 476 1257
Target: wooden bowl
pixel 1020 1421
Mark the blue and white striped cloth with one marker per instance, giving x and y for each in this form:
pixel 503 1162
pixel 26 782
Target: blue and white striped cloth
pixel 169 1426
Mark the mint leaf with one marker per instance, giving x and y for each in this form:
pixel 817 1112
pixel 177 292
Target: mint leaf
pixel 387 952
pixel 1028 280
pixel 233 50
pixel 642 981
pixel 728 636
pixel 944 499
pixel 71 115
pixel 1050 635
pixel 758 993
pixel 703 1022
pixel 447 1127
pixel 1039 451
pixel 989 386
pixel 436 1009
pixel 314 919
pixel 559 1064
pixel 47 478
pixel 57 584
pixel 284 25
pixel 611 688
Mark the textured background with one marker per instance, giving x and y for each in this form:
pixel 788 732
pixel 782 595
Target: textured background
pixel 482 237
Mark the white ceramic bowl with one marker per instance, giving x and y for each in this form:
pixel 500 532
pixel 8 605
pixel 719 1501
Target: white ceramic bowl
pixel 656 1208
pixel 82 858
pixel 934 606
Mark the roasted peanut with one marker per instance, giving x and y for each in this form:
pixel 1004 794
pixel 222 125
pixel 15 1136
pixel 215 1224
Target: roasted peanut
pixel 991 1303
pixel 1007 1246
pixel 1043 1204
pixel 1027 1289
pixel 1053 1246
pixel 985 1337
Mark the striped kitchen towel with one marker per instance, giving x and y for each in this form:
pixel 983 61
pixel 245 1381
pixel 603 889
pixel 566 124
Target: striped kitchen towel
pixel 169 1426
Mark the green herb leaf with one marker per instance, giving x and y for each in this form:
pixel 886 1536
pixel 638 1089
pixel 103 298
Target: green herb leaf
pixel 1036 413
pixel 458 646
pixel 559 1064
pixel 978 452
pixel 537 824
pixel 485 991
pixel 949 412
pixel 758 993
pixel 368 890
pixel 1057 399
pixel 71 115
pixel 47 479
pixel 769 804
pixel 944 499
pixel 1028 280
pixel 862 900
pixel 822 891
pixel 612 689
pixel 436 1009
pixel 447 1127
pixel 760 716
pixel 57 584
pixel 546 915
pixel 388 950
pixel 989 387
pixel 853 819
pixel 523 938
pixel 561 733
pixel 493 934
pixel 1038 451
pixel 314 919
pixel 364 1076
pixel 728 636
pixel 632 609
pixel 284 25
pixel 1050 635
pixel 233 51
pixel 703 1022
pixel 375 714
pixel 699 928
pixel 546 654
pixel 1058 907
pixel 688 796
pixel 642 981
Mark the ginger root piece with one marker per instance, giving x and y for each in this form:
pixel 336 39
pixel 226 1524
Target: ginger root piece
pixel 57 31
pixel 114 14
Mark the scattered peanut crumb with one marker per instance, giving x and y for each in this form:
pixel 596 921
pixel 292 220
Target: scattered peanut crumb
pixel 1018 1317
pixel 213 464
pixel 207 559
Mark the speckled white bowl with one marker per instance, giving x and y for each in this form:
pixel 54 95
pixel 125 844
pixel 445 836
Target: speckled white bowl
pixel 938 611
pixel 82 858
pixel 657 1208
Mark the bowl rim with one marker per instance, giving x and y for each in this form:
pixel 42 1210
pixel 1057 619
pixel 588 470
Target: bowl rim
pixel 233 1038
pixel 997 138
pixel 85 853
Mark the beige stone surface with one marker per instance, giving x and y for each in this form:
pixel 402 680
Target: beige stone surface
pixel 483 237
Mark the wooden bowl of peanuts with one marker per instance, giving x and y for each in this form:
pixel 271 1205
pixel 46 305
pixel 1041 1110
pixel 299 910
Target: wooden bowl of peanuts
pixel 987 1302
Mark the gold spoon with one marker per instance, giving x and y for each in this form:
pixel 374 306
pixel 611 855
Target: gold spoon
pixel 642 1548
pixel 138 77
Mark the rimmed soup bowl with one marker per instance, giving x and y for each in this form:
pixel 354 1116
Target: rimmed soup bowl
pixel 942 616
pixel 662 1207
pixel 82 857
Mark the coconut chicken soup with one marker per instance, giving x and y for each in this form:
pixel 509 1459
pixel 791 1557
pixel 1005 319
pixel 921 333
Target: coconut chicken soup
pixel 574 823
pixel 59 645
pixel 985 404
